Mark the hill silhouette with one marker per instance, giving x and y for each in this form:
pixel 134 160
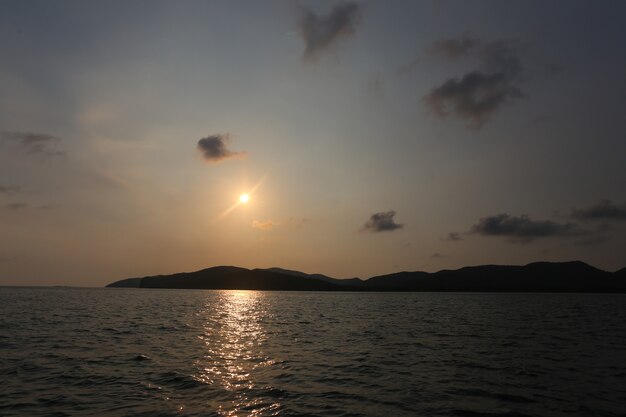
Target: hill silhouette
pixel 535 277
pixel 573 276
pixel 229 277
pixel 348 281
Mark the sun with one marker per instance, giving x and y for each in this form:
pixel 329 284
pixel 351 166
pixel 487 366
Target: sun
pixel 244 198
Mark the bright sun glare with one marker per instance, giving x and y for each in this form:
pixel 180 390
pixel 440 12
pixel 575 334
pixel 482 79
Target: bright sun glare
pixel 244 198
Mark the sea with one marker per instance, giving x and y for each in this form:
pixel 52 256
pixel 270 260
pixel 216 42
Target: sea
pixel 149 352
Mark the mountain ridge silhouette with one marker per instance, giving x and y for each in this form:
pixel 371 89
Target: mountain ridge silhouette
pixel 573 276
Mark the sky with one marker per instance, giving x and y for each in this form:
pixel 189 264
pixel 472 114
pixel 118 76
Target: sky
pixel 372 137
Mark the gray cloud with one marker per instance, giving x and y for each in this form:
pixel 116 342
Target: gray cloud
pixel 501 56
pixel 473 97
pixel 319 32
pixel 605 210
pixel 453 237
pixel 34 143
pixel 476 95
pixel 382 222
pixel 408 67
pixel 9 189
pixel 522 228
pixel 213 148
pixel 453 48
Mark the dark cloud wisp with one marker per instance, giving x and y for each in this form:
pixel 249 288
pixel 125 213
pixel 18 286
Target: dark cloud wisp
pixel 451 48
pixel 213 148
pixel 522 228
pixel 9 189
pixel 476 95
pixel 15 206
pixel 382 222
pixel 453 237
pixel 34 143
pixel 605 210
pixel 321 31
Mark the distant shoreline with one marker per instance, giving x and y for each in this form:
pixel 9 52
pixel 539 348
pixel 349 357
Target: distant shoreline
pixel 547 277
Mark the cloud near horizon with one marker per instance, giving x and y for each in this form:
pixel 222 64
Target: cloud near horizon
pixel 213 148
pixel 478 94
pixel 34 143
pixel 9 189
pixel 605 210
pixel 7 258
pixel 592 241
pixel 263 225
pixel 382 222
pixel 522 228
pixel 15 206
pixel 320 32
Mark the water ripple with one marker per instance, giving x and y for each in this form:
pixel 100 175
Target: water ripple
pixel 123 352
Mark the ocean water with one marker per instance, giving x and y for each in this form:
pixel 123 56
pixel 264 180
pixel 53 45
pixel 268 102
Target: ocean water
pixel 138 352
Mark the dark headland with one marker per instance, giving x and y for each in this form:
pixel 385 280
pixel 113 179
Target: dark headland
pixel 573 276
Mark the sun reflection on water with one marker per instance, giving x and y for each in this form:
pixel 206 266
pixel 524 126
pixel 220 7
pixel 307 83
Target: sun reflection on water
pixel 234 337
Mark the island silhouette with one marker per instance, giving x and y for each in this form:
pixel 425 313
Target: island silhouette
pixel 575 276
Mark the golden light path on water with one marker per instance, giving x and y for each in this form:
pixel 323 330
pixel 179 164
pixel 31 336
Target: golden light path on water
pixel 234 338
